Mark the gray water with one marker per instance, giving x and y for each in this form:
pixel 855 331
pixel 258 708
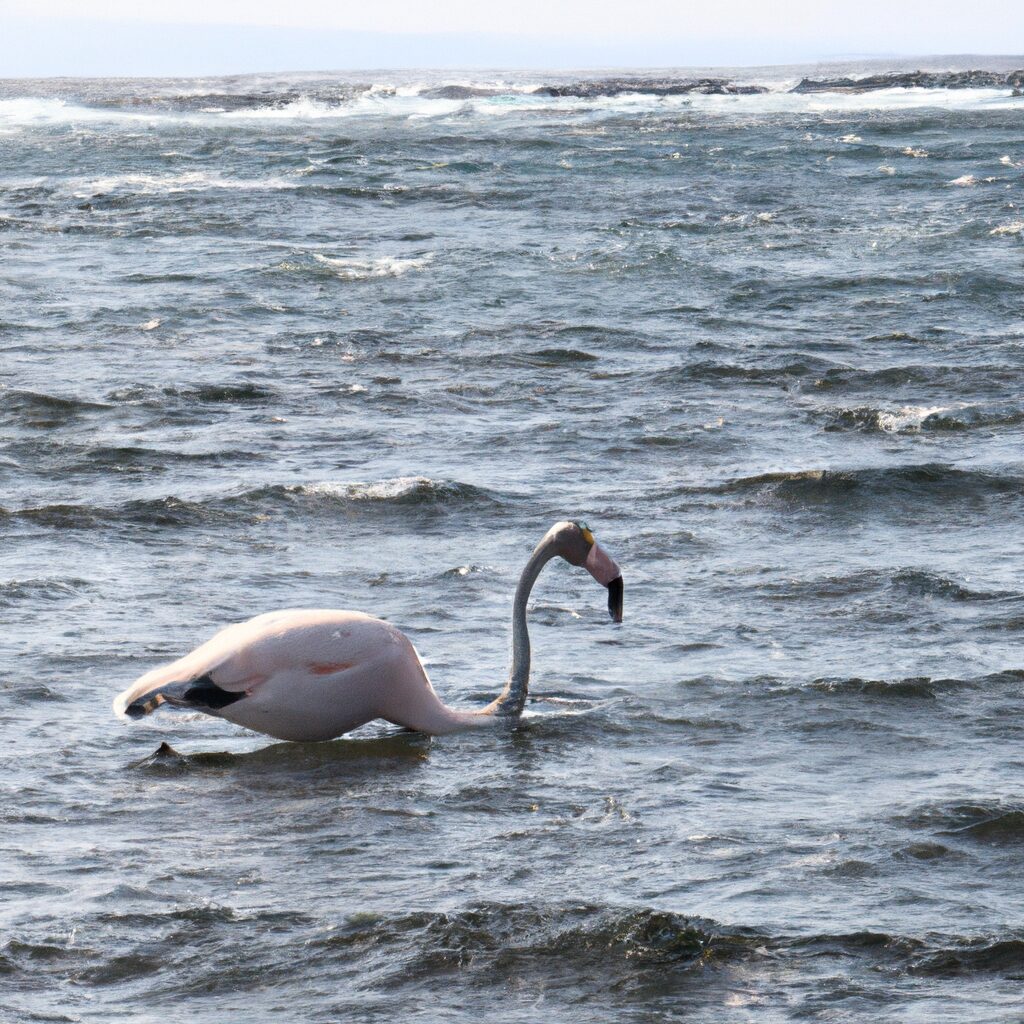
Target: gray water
pixel 282 342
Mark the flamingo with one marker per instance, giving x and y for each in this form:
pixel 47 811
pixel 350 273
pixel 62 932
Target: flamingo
pixel 310 674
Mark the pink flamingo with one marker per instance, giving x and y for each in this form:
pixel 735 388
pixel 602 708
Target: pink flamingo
pixel 314 674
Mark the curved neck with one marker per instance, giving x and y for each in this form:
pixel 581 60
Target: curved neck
pixel 513 697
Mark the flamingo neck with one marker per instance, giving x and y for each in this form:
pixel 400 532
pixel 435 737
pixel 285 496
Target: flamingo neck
pixel 513 697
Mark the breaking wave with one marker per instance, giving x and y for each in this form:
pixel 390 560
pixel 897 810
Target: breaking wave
pixel 318 499
pixel 368 269
pixel 914 419
pixel 305 98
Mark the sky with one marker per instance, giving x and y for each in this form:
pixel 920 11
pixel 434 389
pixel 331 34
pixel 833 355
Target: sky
pixel 136 37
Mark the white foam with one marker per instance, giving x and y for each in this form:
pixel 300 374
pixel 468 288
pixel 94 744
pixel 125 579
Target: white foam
pixel 747 219
pixel 1013 228
pixel 411 102
pixel 385 102
pixel 367 270
pixel 31 110
pixel 910 417
pixel 777 102
pixel 158 184
pixel 965 180
pixel 380 490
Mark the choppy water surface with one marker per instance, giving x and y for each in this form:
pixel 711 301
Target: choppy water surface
pixel 290 342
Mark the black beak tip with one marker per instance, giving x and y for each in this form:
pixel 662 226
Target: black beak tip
pixel 615 599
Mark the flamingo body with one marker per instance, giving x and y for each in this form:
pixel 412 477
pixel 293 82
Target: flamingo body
pixel 307 674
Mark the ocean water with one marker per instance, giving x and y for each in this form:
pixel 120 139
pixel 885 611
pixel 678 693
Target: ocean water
pixel 357 342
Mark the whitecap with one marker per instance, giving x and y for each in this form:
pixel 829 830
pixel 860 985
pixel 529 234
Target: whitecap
pixel 780 102
pixel 33 110
pixel 368 270
pixel 910 417
pixel 413 102
pixel 385 490
pixel 747 219
pixel 1013 228
pixel 168 184
pixel 391 489
pixel 965 180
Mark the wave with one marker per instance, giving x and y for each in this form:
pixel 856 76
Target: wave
pixel 242 393
pixel 1006 827
pixel 559 357
pixel 168 184
pixel 303 99
pixel 924 418
pixel 572 949
pixel 709 371
pixel 944 376
pixel 917 688
pixel 986 822
pixel 369 269
pixel 906 582
pixel 257 504
pixel 930 481
pixel 41 410
pixel 48 458
pixel 922 583
pixel 623 948
pixel 910 688
pixel 978 956
pixel 12 592
pixel 402 490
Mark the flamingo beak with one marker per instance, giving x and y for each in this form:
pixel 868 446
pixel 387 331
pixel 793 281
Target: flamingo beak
pixel 615 599
pixel 602 567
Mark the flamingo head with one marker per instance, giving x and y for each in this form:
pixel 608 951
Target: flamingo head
pixel 574 541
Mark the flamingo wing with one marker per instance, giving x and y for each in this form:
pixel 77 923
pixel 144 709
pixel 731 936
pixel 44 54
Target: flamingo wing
pixel 295 674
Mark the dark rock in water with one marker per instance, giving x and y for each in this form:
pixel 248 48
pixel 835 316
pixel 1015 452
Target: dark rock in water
pixel 650 86
pixel 917 80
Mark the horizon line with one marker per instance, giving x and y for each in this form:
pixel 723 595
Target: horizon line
pixel 826 60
